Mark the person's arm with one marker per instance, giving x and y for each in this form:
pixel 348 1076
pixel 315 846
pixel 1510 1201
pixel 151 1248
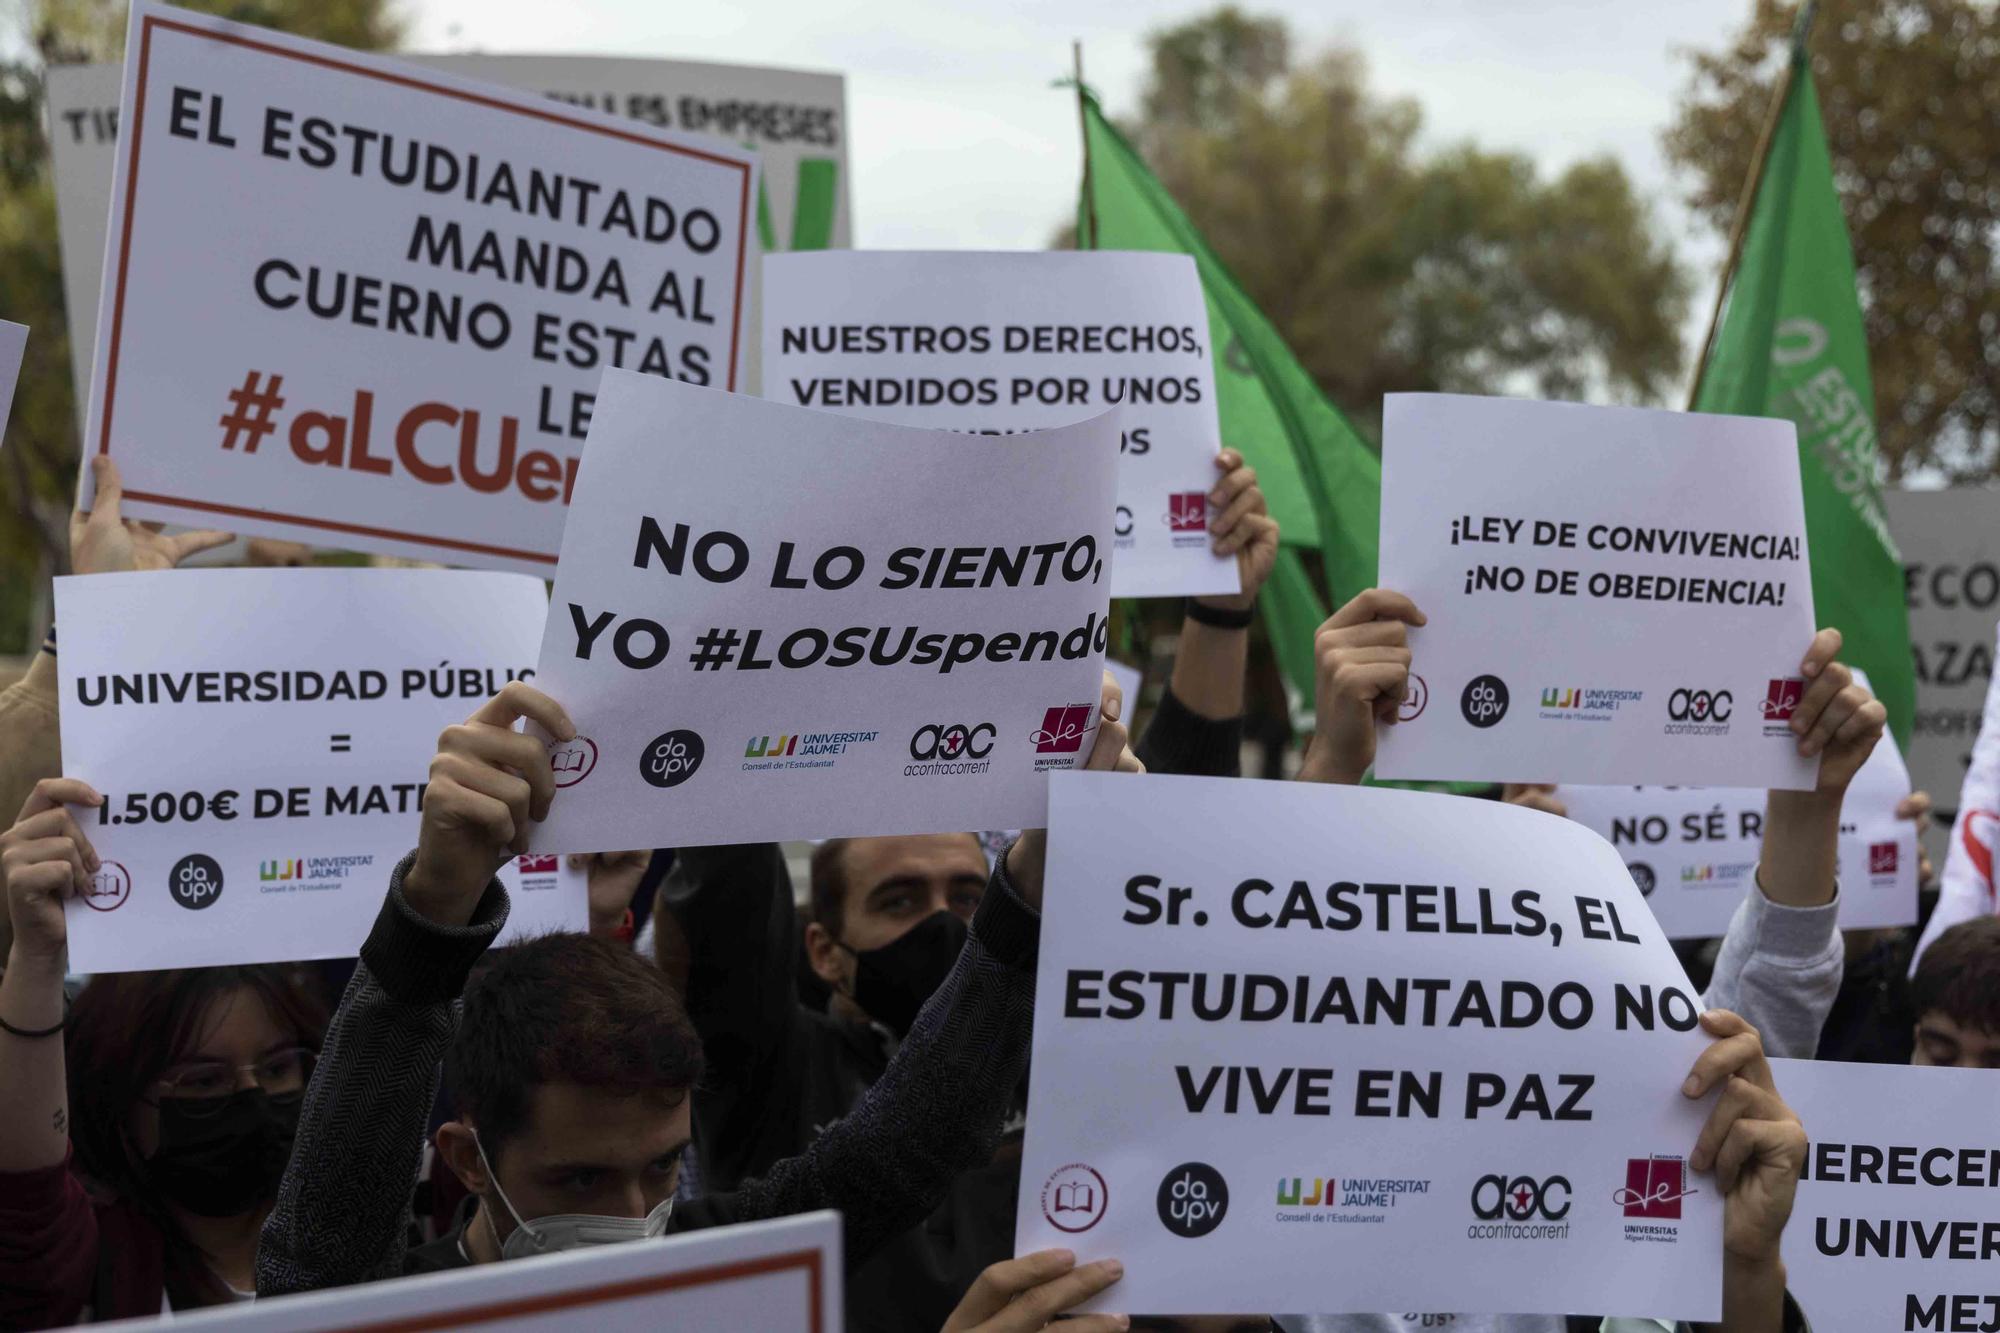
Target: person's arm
pixel 1362 656
pixel 937 1110
pixel 343 1206
pixel 1781 961
pixel 1198 727
pixel 48 1231
pixel 734 906
pixel 1755 1148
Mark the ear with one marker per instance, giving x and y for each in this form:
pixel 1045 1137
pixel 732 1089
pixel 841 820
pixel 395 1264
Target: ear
pixel 456 1147
pixel 829 961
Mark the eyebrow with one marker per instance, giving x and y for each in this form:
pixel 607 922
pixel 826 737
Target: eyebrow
pixel 556 1168
pixel 891 885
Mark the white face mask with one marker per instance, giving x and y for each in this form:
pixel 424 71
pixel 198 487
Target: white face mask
pixel 570 1231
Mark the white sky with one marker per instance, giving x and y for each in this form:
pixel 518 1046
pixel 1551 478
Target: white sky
pixel 958 141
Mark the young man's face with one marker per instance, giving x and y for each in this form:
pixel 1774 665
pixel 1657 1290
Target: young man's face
pixel 893 883
pixel 1940 1041
pixel 583 1150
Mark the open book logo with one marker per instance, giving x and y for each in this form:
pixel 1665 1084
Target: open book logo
pixel 570 762
pixel 1074 1198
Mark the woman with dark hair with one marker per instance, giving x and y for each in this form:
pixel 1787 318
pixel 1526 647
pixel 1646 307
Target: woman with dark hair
pixel 143 1134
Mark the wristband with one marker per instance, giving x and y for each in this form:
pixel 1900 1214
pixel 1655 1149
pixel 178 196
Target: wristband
pixel 9 1028
pixel 1216 617
pixel 49 640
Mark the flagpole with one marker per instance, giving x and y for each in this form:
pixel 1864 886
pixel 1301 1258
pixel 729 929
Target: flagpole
pixel 1083 128
pixel 1760 157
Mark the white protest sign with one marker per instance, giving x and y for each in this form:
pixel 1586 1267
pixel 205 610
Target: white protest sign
pixel 1615 595
pixel 13 345
pixel 1951 578
pixel 262 738
pixel 1897 1220
pixel 795 120
pixel 1003 342
pixel 1693 851
pixel 1289 1035
pixel 391 334
pixel 773 623
pixel 783 1276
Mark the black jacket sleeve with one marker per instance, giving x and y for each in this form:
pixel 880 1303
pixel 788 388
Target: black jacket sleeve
pixel 1180 740
pixel 343 1209
pixel 937 1110
pixel 734 904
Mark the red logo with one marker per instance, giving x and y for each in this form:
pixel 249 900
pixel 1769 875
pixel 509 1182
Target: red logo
pixel 109 887
pixel 1654 1187
pixel 572 761
pixel 1187 511
pixel 1781 699
pixel 536 865
pixel 1415 698
pixel 1883 857
pixel 1074 1198
pixel 1062 730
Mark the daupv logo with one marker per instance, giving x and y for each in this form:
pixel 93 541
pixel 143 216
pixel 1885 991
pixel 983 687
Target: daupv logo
pixel 671 759
pixel 1193 1200
pixel 195 881
pixel 1484 701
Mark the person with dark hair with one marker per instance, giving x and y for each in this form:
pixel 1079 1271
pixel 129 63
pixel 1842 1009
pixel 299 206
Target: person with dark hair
pixel 580 1052
pixel 1955 997
pixel 140 1155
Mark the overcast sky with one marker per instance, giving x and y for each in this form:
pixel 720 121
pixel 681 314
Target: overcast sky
pixel 959 142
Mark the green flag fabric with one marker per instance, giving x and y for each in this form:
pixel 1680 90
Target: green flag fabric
pixel 1791 345
pixel 1323 482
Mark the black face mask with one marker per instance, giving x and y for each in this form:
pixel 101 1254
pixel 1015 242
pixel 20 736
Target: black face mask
pixel 893 982
pixel 222 1156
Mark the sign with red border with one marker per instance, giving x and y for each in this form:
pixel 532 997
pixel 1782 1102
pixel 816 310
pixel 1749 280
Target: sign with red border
pixel 354 300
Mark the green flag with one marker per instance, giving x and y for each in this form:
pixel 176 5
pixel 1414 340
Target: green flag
pixel 1323 482
pixel 1791 345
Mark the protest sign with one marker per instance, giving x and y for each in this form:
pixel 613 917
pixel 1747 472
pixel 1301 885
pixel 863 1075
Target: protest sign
pixel 13 344
pixel 1966 886
pixel 784 1276
pixel 796 121
pixel 1897 1220
pixel 1693 851
pixel 1003 342
pixel 1288 1036
pixel 1950 542
pixel 392 334
pixel 262 738
pixel 1614 595
pixel 775 623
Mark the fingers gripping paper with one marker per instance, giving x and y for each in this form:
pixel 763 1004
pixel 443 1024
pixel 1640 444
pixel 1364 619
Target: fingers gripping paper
pixel 775 623
pixel 1288 1036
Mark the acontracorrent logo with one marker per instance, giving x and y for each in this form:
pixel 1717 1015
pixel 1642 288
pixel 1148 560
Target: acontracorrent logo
pixel 951 749
pixel 671 758
pixel 1697 712
pixel 1520 1208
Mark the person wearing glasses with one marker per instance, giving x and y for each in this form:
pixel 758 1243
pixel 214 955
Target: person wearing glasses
pixel 143 1132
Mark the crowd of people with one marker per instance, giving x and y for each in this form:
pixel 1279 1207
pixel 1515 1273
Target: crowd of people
pixel 714 1052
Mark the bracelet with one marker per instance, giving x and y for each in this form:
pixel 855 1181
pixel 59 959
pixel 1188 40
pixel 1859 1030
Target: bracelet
pixel 1216 617
pixel 9 1028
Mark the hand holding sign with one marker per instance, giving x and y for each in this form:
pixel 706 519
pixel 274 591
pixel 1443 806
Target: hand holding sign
pixel 45 859
pixel 1364 678
pixel 1028 1293
pixel 1240 524
pixel 1753 1143
pixel 103 541
pixel 487 782
pixel 1837 718
pixel 1110 752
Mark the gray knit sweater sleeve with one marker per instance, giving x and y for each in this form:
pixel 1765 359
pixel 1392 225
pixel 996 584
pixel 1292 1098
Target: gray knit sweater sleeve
pixel 343 1209
pixel 1780 968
